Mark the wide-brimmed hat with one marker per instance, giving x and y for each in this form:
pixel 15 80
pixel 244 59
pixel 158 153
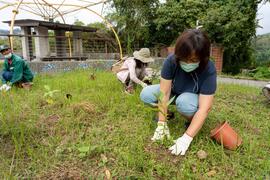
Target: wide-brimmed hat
pixel 3 47
pixel 143 55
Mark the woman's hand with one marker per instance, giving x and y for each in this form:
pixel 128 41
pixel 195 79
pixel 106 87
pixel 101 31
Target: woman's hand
pixel 181 145
pixel 161 132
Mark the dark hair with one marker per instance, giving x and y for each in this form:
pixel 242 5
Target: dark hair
pixel 193 41
pixel 140 64
pixel 3 50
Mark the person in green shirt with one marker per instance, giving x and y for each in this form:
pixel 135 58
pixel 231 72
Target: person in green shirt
pixel 15 70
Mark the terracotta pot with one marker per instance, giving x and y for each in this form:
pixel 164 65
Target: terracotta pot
pixel 224 134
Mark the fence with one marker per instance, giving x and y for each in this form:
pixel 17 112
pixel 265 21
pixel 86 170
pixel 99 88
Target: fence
pixel 69 47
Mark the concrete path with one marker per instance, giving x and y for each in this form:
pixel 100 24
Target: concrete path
pixel 254 83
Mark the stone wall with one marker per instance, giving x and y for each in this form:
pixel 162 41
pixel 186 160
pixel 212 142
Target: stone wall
pixel 63 66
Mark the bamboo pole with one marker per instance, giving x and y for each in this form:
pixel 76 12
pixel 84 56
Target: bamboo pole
pixel 55 10
pixel 69 44
pixel 15 12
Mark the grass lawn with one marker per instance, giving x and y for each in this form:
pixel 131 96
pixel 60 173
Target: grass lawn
pixel 102 132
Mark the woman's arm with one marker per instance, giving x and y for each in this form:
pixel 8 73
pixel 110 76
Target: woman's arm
pixel 205 104
pixel 18 72
pixel 165 89
pixel 132 74
pixel 5 68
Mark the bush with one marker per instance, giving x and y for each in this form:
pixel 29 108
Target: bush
pixel 260 72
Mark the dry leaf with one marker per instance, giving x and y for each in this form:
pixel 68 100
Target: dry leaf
pixel 108 174
pixel 211 173
pixel 201 154
pixel 104 158
pixel 193 168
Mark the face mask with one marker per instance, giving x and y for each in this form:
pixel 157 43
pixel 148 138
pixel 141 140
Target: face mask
pixel 8 56
pixel 188 67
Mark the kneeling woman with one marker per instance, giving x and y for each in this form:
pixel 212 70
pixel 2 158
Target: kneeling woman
pixel 191 78
pixel 133 70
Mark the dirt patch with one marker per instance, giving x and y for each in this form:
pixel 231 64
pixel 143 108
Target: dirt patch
pixel 7 146
pixel 252 129
pixel 64 171
pixel 48 123
pixel 53 118
pixel 162 153
pixel 42 104
pixel 49 120
pixel 86 107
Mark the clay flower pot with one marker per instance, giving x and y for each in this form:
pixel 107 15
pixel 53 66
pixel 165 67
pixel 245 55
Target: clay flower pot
pixel 224 134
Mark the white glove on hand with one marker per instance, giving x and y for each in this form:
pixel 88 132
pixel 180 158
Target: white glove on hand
pixel 161 131
pixel 8 88
pixel 3 87
pixel 143 85
pixel 181 145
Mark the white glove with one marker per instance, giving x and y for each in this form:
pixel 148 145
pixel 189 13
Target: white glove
pixel 181 145
pixel 3 87
pixel 268 85
pixel 8 88
pixel 161 131
pixel 143 85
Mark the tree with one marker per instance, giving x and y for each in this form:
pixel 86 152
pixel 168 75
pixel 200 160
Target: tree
pixel 77 22
pixel 175 16
pixel 132 20
pixel 98 25
pixel 232 23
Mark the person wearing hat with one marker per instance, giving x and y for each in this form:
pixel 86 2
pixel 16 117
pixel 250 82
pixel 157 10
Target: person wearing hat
pixel 15 70
pixel 133 69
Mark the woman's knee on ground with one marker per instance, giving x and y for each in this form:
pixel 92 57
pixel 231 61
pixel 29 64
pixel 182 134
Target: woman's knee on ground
pixel 7 75
pixel 187 104
pixel 148 94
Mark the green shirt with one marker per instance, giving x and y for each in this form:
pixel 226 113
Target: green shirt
pixel 20 69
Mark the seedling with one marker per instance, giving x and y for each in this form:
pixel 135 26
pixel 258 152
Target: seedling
pixel 162 105
pixel 93 75
pixel 49 95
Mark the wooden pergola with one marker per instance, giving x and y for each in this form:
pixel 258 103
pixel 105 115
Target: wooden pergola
pixel 40 34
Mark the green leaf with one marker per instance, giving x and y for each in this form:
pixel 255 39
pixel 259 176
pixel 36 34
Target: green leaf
pixel 170 101
pixel 46 94
pixel 82 155
pixel 84 149
pixel 55 91
pixel 47 87
pixel 161 96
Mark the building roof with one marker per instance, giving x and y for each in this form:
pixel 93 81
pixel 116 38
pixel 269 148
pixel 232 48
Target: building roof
pixel 51 25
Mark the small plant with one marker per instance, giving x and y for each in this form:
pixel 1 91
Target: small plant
pixel 49 94
pixel 83 151
pixel 162 105
pixel 93 75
